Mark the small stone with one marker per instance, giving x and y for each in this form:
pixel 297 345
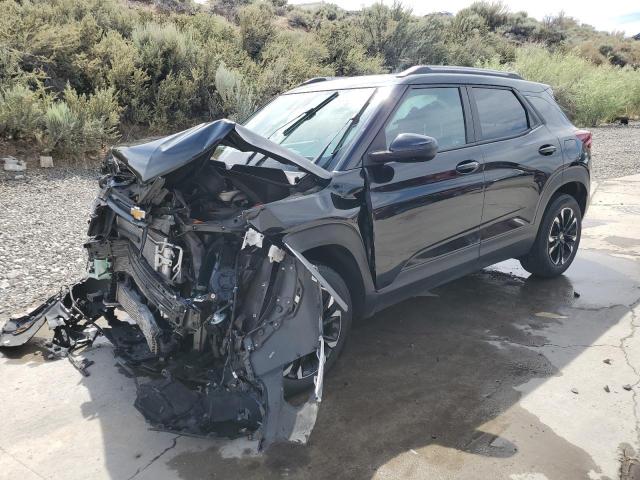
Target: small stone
pixel 607 361
pixel 46 161
pixel 627 387
pixel 606 388
pixel 574 390
pixel 576 295
pixel 12 164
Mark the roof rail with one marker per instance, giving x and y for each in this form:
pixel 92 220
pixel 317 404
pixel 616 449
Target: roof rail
pixel 423 69
pixel 315 80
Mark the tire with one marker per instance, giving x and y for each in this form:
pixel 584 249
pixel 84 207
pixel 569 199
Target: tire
pixel 299 375
pixel 557 240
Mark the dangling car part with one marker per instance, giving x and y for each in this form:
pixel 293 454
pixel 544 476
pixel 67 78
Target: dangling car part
pixel 215 309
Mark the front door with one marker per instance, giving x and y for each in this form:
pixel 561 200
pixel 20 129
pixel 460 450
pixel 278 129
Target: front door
pixel 425 215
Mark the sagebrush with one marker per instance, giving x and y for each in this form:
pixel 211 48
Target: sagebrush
pixel 76 75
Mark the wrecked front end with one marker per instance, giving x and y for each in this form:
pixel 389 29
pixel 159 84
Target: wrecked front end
pixel 192 295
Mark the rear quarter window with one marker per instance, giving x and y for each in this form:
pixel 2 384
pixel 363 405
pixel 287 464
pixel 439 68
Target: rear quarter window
pixel 500 113
pixel 549 110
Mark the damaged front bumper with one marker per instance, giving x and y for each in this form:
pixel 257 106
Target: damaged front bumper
pixel 215 310
pixel 189 393
pixel 62 312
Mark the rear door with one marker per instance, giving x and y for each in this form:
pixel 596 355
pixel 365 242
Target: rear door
pixel 425 215
pixel 520 155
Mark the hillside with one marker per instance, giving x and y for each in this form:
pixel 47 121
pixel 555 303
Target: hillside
pixel 76 75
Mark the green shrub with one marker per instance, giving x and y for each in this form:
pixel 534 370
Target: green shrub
pixel 74 72
pixel 81 124
pixel 346 52
pixel 237 98
pixel 387 31
pixel 495 14
pixel 256 27
pixel 163 48
pixel 21 113
pixel 299 18
pixel 304 59
pixel 64 133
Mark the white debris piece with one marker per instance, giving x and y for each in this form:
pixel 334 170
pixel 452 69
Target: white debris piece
pixel 252 238
pixel 12 164
pixel 275 254
pixel 46 161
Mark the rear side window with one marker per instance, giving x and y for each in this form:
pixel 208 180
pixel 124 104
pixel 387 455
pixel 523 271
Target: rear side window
pixel 501 113
pixel 551 112
pixel 436 112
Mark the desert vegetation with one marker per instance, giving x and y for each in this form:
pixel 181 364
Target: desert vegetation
pixel 76 75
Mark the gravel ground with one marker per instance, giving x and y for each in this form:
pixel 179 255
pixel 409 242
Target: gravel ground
pixel 43 222
pixel 43 219
pixel 616 150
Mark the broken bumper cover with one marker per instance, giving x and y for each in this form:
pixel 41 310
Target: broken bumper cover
pixel 63 309
pixel 245 397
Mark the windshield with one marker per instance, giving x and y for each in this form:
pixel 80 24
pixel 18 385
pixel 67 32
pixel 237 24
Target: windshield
pixel 316 125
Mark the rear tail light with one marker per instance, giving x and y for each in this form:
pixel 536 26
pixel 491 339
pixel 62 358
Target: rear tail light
pixel 585 137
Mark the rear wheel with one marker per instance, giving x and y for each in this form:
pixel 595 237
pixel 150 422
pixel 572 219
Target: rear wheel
pixel 298 375
pixel 558 238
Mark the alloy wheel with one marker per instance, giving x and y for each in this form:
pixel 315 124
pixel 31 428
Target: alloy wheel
pixel 563 236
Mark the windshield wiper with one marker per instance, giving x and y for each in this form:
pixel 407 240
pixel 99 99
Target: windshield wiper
pixel 351 123
pixel 309 114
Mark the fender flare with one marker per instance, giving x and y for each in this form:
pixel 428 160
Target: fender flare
pixel 338 234
pixel 571 174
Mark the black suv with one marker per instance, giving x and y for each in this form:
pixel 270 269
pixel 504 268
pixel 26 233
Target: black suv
pixel 241 253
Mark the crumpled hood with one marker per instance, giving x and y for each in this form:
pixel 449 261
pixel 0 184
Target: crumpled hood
pixel 166 154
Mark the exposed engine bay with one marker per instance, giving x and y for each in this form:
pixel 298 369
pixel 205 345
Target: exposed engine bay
pixel 191 294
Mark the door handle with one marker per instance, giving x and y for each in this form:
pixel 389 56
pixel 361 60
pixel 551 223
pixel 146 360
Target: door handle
pixel 547 149
pixel 468 166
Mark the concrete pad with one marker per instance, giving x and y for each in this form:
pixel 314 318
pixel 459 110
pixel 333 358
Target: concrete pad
pixel 497 375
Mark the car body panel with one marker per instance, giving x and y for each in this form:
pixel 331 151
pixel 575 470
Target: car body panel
pixel 165 155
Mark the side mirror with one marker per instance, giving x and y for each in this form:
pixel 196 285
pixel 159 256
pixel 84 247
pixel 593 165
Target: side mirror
pixel 407 147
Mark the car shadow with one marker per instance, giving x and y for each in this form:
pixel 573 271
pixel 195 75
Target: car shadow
pixel 427 374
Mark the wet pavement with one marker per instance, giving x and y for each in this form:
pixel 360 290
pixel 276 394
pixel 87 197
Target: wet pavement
pixel 496 375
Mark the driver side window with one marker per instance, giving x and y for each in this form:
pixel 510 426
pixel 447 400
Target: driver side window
pixel 436 112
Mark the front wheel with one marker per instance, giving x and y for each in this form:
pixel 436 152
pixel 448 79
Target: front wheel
pixel 298 375
pixel 558 238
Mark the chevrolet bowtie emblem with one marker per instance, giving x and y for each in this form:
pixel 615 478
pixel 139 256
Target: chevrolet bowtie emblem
pixel 138 213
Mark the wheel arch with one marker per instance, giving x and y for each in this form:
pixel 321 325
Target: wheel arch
pixel 578 191
pixel 574 181
pixel 339 247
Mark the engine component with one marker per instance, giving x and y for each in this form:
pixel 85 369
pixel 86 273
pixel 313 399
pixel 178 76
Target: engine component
pixel 165 257
pixel 252 238
pixel 165 260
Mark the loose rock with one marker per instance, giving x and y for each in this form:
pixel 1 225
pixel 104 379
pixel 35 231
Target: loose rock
pixel 46 161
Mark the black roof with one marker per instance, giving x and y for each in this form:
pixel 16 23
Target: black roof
pixel 423 74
